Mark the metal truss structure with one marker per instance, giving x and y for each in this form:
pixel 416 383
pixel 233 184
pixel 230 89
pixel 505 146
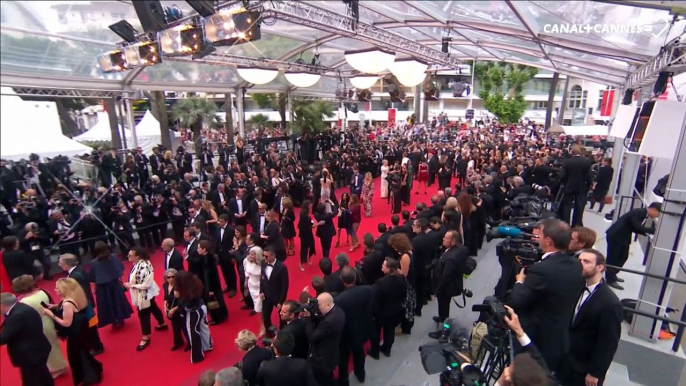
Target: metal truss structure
pixel 281 65
pixel 672 58
pixel 62 93
pixel 324 99
pixel 319 18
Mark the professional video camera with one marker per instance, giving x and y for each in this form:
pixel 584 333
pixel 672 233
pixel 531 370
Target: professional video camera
pixel 445 357
pixel 520 227
pixel 524 206
pixel 496 351
pixel 525 251
pixel 312 307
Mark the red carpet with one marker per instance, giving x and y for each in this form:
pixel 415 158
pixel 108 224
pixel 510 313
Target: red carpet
pixel 157 364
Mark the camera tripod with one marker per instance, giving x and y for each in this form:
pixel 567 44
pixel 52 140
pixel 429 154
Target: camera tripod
pixel 495 354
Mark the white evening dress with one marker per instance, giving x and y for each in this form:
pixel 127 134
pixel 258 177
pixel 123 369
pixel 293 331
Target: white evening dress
pixel 326 194
pixel 253 272
pixel 384 183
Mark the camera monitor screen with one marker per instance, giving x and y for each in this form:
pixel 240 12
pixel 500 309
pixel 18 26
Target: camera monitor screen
pixel 640 125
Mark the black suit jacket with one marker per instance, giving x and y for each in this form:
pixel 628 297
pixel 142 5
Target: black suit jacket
pixel 545 303
pixel 274 238
pixel 628 223
pixel 297 329
pixel 195 264
pixel 604 179
pixel 424 250
pixel 389 297
pixel 357 303
pixel 285 371
pixel 333 283
pixel 223 246
pixel 233 210
pixel 175 261
pixel 275 288
pixel 252 361
pixel 448 272
pixel 22 332
pixel 18 263
pixel 595 332
pixel 83 278
pixel 371 266
pixel 576 175
pixel 324 336
pixel 327 229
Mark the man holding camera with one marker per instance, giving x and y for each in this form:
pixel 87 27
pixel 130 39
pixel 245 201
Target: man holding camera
pixel 546 293
pixel 324 334
pixel 295 326
pixel 448 274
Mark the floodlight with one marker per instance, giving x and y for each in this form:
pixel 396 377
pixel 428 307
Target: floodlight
pixel 182 40
pixel 142 54
pixel 113 61
pixel 228 28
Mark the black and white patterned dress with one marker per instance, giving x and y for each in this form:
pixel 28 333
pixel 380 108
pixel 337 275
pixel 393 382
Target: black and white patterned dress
pixel 198 329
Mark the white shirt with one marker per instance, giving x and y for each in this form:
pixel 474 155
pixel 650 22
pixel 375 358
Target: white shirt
pixel 70 270
pixel 588 292
pixel 188 247
pixel 166 263
pixel 239 204
pixel 268 271
pixel 221 233
pixel 262 221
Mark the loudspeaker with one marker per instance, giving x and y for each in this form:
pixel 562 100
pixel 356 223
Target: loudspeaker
pixel 151 15
pixel 628 96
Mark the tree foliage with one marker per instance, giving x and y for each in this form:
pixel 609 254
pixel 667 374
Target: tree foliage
pixel 501 86
pixel 308 116
pixel 259 121
pixel 194 113
pixel 278 102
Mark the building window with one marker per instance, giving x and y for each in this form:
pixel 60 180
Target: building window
pixel 600 97
pixel 540 105
pixel 577 98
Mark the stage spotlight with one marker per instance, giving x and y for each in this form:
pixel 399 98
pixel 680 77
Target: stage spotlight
pixel 204 8
pixel 124 30
pixel 228 28
pixel 628 96
pixel 113 61
pixel 182 40
pixel 445 44
pixel 142 54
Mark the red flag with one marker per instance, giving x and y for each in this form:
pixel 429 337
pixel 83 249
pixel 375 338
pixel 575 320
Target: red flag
pixel 607 103
pixel 391 117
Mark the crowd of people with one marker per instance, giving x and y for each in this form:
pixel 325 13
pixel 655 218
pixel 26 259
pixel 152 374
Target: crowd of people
pixel 225 220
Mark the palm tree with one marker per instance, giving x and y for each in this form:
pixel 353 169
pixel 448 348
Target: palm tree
pixel 194 113
pixel 259 120
pixel 278 102
pixel 308 116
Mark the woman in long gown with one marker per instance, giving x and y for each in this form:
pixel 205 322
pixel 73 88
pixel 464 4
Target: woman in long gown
pixel 253 273
pixel 305 234
pixel 106 272
pixel 71 322
pixel 401 244
pixel 27 292
pixel 368 194
pixel 197 329
pixel 211 283
pixel 326 181
pixel 384 182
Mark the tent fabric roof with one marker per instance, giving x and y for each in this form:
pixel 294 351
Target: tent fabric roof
pixel 148 126
pixel 525 32
pixel 100 131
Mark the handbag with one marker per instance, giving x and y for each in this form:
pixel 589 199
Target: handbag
pixel 213 303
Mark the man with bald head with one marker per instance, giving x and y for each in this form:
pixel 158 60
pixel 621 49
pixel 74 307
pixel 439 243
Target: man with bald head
pixel 172 257
pixel 324 334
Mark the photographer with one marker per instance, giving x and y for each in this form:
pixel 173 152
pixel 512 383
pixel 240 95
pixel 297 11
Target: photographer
pixel 448 275
pixel 295 326
pixel 546 294
pixel 33 240
pixel 528 367
pixel 324 334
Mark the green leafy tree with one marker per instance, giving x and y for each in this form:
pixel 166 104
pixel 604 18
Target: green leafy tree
pixel 278 102
pixel 259 121
pixel 194 113
pixel 308 116
pixel 501 87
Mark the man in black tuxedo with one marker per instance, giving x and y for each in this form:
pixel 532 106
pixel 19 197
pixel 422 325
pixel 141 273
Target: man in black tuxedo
pixel 357 302
pixel 27 346
pixel 596 326
pixel 357 182
pixel 424 251
pixel 70 264
pixel 381 243
pixel 172 257
pixel 619 237
pixel 223 245
pixel 286 368
pixel 273 285
pixel 448 275
pixel 194 260
pixel 238 209
pixel 545 295
pixel 259 221
pixel 294 325
pixel 15 260
pixel 324 334
pixel 577 179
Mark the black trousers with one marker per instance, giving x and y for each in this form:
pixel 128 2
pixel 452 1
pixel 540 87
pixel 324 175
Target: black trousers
pixel 323 376
pixel 385 326
pixel 228 267
pixel 326 245
pixel 144 317
pixel 344 359
pixel 443 306
pixel 423 284
pixel 306 249
pixel 37 375
pixel 617 255
pixel 178 323
pixel 267 309
pixel 576 201
pixel 177 229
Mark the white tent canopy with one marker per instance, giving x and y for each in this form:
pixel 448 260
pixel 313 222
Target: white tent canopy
pixel 101 131
pixel 586 130
pixel 148 133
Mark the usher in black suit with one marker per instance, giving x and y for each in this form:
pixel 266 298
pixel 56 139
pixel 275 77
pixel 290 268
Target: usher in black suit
pixel 274 287
pixel 577 179
pixel 357 302
pixel 545 303
pixel 594 335
pixel 324 336
pixel 285 371
pixel 27 347
pixel 449 278
pixel 223 246
pixel 619 238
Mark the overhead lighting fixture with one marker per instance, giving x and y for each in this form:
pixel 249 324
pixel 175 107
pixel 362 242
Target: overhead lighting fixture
pixel 142 54
pixel 228 28
pixel 411 80
pixel 302 79
pixel 364 82
pixel 204 8
pixel 372 61
pixel 113 61
pixel 182 40
pixel 257 75
pixel 124 30
pixel 408 68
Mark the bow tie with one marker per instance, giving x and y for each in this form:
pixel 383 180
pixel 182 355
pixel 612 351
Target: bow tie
pixel 270 265
pixel 586 289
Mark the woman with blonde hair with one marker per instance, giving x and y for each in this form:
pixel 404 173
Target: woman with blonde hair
pixel 254 355
pixel 27 292
pixel 71 321
pixel 212 221
pixel 252 266
pixel 368 194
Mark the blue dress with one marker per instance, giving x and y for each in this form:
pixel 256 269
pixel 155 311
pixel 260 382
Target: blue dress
pixel 110 297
